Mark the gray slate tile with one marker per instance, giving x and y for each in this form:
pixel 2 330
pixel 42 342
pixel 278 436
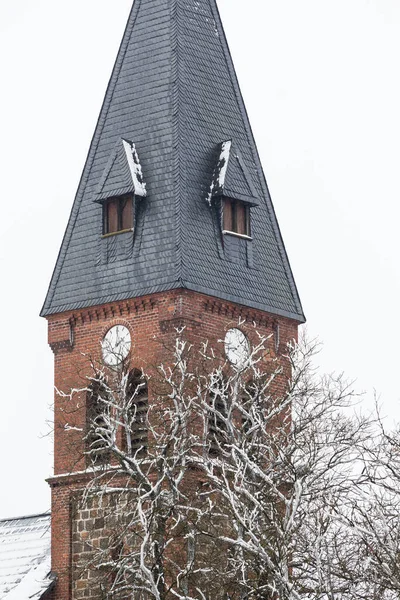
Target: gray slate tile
pixel 174 93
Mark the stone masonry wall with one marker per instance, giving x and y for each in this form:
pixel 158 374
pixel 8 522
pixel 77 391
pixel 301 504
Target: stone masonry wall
pixel 96 522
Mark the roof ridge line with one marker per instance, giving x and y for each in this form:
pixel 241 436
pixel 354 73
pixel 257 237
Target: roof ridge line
pixel 246 174
pixel 256 156
pixel 123 47
pixel 177 108
pixel 35 516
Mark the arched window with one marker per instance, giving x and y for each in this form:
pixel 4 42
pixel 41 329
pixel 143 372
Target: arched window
pixel 136 430
pixel 97 422
pixel 217 417
pixel 248 397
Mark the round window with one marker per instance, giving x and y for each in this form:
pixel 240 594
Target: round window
pixel 116 345
pixel 237 348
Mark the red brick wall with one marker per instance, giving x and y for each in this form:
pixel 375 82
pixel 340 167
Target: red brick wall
pixel 75 339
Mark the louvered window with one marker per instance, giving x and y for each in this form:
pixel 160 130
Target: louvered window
pixel 138 402
pixel 118 215
pixel 217 426
pixel 97 424
pixel 236 217
pixel 247 423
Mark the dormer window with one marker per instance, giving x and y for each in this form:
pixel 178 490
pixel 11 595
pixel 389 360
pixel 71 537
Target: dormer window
pixel 236 217
pixel 118 215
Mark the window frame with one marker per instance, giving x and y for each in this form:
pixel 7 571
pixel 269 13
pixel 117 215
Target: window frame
pixel 97 452
pixel 217 431
pixel 121 203
pixel 138 397
pixel 230 218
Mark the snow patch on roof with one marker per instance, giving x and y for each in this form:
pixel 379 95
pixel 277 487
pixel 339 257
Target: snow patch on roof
pixel 135 168
pixel 219 175
pixel 35 582
pixel 231 177
pixel 25 557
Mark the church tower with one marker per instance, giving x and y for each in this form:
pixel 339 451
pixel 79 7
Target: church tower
pixel 172 226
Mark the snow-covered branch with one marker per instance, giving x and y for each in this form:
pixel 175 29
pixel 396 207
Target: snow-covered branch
pixel 260 482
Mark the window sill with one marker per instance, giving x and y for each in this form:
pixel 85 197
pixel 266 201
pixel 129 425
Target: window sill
pixel 107 235
pixel 239 235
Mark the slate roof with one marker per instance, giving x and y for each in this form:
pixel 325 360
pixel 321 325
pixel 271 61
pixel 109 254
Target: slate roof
pixel 174 95
pixel 231 178
pixel 123 173
pixel 25 558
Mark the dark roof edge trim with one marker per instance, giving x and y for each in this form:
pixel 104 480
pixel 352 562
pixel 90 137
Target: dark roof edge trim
pixel 101 198
pixel 253 145
pixel 58 310
pixel 234 196
pixel 249 303
pixel 176 285
pixel 52 582
pixel 246 174
pixel 91 153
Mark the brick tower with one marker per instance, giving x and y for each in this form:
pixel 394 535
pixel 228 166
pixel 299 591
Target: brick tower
pixel 172 224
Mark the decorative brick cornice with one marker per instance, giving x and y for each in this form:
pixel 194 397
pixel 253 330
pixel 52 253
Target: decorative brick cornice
pixel 67 479
pixel 61 345
pixel 237 312
pixel 177 323
pixel 113 311
pixel 59 341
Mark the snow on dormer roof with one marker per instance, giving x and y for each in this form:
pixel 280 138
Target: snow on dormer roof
pixel 123 173
pixel 231 177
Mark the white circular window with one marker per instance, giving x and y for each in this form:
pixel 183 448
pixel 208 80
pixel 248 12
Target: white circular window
pixel 237 348
pixel 116 345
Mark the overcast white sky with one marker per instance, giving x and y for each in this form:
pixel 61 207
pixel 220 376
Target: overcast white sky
pixel 321 84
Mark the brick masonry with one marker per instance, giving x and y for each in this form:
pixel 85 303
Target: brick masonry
pixel 75 340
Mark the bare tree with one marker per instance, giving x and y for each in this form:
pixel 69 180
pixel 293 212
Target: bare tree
pixel 373 520
pixel 251 482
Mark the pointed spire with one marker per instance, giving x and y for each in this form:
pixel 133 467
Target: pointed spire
pixel 174 94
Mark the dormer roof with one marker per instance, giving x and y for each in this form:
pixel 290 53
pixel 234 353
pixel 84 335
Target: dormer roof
pixel 231 178
pixel 123 173
pixel 174 100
